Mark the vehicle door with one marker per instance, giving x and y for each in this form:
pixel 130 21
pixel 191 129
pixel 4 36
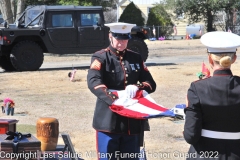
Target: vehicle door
pixel 89 33
pixel 61 29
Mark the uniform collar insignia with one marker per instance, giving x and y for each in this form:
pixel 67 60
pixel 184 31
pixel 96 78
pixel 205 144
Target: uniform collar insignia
pixel 115 51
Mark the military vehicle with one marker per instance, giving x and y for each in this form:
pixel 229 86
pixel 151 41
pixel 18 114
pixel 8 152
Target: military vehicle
pixel 58 30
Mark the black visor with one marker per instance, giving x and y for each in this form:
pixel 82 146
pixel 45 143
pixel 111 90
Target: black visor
pixel 121 36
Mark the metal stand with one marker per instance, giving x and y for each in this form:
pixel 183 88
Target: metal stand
pixel 68 146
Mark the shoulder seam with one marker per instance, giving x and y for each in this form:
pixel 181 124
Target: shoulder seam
pixel 202 79
pixel 102 51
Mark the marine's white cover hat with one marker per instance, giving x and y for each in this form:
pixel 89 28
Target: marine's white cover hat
pixel 221 42
pixel 120 27
pixel 120 30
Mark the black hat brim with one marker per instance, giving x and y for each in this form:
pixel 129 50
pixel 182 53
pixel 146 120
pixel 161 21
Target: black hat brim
pixel 120 36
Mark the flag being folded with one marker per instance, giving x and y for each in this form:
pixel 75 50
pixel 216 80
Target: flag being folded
pixel 205 70
pixel 142 106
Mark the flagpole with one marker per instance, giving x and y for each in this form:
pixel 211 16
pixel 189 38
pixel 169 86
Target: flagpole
pixel 117 4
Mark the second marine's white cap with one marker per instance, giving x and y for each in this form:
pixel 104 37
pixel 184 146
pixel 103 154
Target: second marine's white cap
pixel 220 42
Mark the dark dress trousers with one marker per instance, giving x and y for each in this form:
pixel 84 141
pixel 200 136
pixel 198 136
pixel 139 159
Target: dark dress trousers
pixel 212 124
pixel 111 69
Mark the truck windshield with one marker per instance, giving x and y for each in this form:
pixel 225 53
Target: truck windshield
pixel 31 14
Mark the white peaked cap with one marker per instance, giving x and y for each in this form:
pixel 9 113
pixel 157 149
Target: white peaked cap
pixel 220 42
pixel 120 27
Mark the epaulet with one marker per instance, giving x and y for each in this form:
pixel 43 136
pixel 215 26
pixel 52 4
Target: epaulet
pixel 132 51
pixel 202 79
pixel 102 51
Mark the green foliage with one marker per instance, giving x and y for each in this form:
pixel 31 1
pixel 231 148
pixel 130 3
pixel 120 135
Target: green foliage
pixel 102 3
pixel 41 2
pixel 168 4
pixel 203 10
pixel 132 14
pixel 159 17
pixel 75 2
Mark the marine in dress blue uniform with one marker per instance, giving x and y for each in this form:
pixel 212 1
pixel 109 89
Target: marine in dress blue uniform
pixel 212 117
pixel 113 69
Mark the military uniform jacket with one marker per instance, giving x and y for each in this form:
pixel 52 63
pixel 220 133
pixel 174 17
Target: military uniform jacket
pixel 111 69
pixel 213 105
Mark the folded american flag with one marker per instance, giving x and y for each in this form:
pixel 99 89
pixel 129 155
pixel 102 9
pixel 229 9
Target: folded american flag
pixel 142 106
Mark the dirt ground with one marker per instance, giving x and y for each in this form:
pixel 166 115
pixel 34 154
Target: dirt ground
pixel 51 94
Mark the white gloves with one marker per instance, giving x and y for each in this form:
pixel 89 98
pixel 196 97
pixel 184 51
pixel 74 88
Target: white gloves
pixel 131 91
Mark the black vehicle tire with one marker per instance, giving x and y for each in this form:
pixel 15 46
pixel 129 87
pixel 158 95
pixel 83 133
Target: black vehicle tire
pixel 138 45
pixel 27 56
pixel 6 64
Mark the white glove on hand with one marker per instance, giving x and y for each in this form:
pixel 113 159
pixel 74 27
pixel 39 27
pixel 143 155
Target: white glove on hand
pixel 131 91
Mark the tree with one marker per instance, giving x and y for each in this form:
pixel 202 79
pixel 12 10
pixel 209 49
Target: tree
pixel 110 16
pixel 5 6
pixel 132 14
pixel 159 17
pixel 41 2
pixel 104 3
pixel 11 9
pixel 20 8
pixel 203 10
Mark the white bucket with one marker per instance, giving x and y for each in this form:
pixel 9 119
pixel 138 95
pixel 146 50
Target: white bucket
pixel 197 29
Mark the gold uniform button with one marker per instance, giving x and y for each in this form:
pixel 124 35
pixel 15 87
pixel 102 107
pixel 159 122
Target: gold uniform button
pixel 121 57
pixel 122 63
pixel 109 92
pixel 125 68
pixel 136 70
pixel 112 71
pixel 114 97
pixel 126 82
pixel 126 75
pixel 117 52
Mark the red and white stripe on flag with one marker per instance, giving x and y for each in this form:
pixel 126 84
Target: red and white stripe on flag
pixel 142 106
pixel 73 74
pixel 200 31
pixel 175 30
